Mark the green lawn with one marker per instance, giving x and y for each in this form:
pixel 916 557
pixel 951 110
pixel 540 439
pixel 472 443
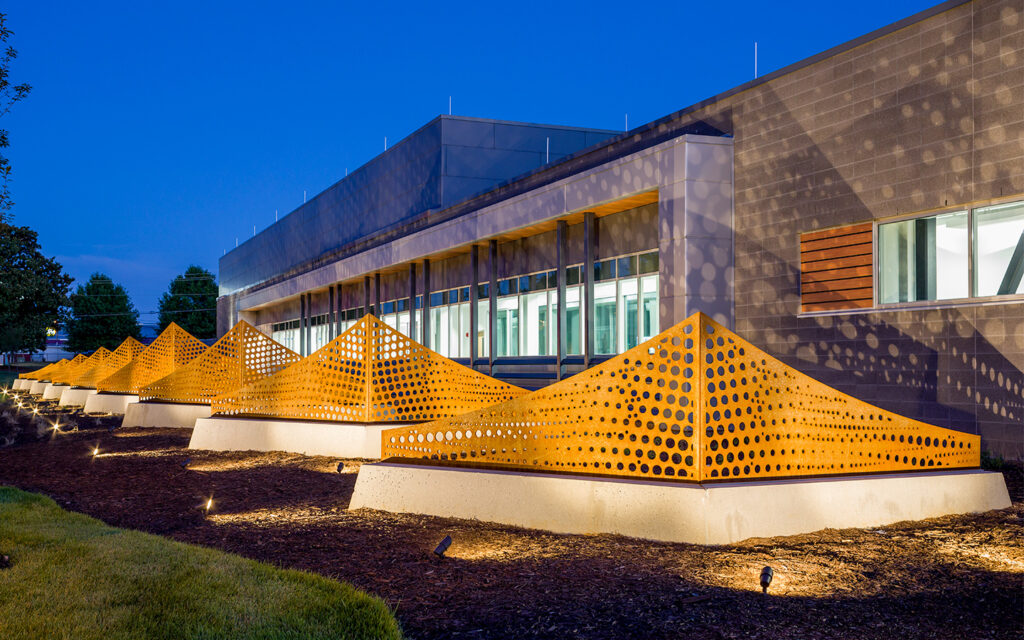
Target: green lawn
pixel 75 577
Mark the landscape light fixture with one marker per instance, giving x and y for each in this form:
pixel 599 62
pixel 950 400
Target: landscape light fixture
pixel 96 450
pixel 208 505
pixel 441 548
pixel 184 464
pixel 341 467
pixel 766 578
pixel 5 562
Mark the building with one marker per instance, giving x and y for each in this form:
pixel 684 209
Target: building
pixel 859 214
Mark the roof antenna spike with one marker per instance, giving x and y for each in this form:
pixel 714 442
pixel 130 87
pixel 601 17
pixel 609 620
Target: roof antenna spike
pixel 755 59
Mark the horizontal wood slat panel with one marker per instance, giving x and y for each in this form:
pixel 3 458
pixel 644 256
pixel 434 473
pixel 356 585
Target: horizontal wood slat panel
pixel 836 285
pixel 838 241
pixel 837 252
pixel 835 296
pixel 838 263
pixel 838 306
pixel 836 269
pixel 835 274
pixel 831 233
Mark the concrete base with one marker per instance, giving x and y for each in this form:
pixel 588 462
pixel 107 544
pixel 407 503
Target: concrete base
pixel 341 439
pixel 113 403
pixel 708 514
pixel 37 388
pixel 75 397
pixel 53 391
pixel 21 383
pixel 164 414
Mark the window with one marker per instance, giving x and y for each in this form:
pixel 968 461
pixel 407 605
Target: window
pixel 957 255
pixel 923 258
pixel 999 247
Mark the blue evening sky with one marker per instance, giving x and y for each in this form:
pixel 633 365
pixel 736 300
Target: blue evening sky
pixel 158 132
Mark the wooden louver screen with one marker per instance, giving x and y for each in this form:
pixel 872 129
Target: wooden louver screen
pixel 836 269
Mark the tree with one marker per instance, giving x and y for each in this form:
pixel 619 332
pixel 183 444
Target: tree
pixel 33 288
pixel 191 302
pixel 102 315
pixel 9 94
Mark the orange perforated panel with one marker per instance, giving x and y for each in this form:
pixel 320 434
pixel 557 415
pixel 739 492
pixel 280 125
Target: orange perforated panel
pixel 118 358
pixel 173 348
pixel 73 370
pixel 370 373
pixel 40 374
pixel 61 367
pixel 241 357
pixel 696 402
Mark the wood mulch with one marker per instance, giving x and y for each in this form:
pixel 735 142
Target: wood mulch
pixel 952 577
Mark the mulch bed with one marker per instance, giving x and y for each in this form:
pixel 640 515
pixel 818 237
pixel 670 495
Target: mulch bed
pixel 952 577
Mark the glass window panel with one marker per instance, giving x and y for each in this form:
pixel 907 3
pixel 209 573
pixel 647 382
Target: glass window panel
pixel 524 283
pixel 604 270
pixel 552 320
pixel 464 294
pixel 604 319
pixel 464 335
pixel 387 307
pixel 999 250
pixel 649 313
pixel 538 282
pixel 403 323
pixel 483 323
pixel 507 324
pixel 437 299
pixel 648 262
pixel 628 314
pixel 626 266
pixel 391 320
pixel 923 259
pixel 483 291
pixel 573 322
pixel 439 330
pixel 552 279
pixel 453 331
pixel 535 325
pixel 508 286
pixel 402 304
pixel 572 275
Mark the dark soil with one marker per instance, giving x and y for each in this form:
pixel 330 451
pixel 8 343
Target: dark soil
pixel 953 577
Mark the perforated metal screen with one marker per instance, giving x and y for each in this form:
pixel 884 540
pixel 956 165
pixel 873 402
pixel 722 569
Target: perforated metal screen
pixel 173 348
pixel 242 356
pixel 696 402
pixel 73 370
pixel 370 373
pixel 118 358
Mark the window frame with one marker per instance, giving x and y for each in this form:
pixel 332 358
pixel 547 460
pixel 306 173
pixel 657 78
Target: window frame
pixel 971 298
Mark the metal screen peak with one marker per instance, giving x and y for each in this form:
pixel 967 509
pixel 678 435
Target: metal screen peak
pixel 696 402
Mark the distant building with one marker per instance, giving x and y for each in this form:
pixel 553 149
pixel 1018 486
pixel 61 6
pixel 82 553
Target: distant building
pixel 859 214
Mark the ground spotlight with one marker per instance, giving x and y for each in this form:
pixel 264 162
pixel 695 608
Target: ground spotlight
pixel 766 578
pixel 5 562
pixel 208 505
pixel 341 467
pixel 96 450
pixel 441 548
pixel 184 464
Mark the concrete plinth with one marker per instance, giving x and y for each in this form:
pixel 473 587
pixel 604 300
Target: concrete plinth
pixel 701 514
pixel 164 414
pixel 53 391
pixel 37 388
pixel 72 397
pixel 21 383
pixel 341 439
pixel 113 403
